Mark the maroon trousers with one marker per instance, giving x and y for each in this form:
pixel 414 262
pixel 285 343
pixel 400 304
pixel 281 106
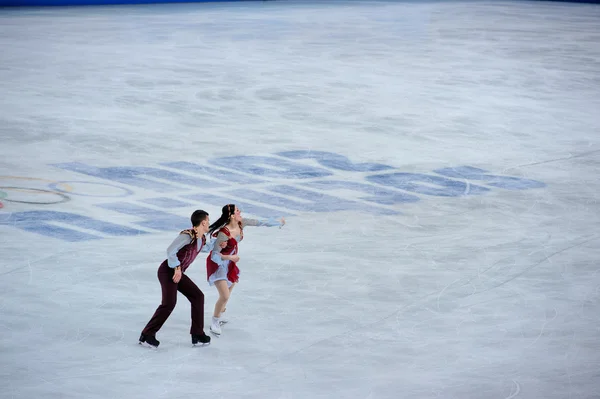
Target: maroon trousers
pixel 169 299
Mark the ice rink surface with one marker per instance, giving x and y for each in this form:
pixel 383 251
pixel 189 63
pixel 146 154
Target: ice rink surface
pixel 437 164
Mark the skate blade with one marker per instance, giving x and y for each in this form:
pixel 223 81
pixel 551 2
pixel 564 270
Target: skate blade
pixel 147 345
pixel 215 334
pixel 200 344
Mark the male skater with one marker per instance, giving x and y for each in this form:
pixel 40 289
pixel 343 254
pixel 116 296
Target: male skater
pixel 171 275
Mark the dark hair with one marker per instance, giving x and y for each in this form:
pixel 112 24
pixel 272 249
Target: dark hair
pixel 226 213
pixel 198 217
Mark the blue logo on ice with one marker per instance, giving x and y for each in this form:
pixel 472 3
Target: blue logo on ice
pixel 283 184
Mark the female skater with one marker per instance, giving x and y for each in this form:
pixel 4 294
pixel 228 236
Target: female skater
pixel 221 263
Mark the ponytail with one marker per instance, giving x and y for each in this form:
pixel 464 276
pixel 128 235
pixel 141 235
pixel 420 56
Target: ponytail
pixel 226 213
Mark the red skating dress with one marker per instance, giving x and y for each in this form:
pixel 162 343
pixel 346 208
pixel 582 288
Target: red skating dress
pixel 220 269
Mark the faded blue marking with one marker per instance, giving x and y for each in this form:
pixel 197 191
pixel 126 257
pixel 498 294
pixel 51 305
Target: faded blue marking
pixel 221 201
pixel 506 182
pixel 417 183
pixel 317 202
pixel 213 172
pixel 134 176
pixel 157 220
pixel 335 161
pixel 166 202
pixel 39 222
pixel 378 194
pixel 271 167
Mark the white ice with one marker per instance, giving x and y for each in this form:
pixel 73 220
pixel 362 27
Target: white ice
pixel 478 296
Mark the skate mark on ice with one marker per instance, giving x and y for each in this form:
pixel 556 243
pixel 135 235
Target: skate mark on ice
pixel 30 271
pixel 547 258
pixel 557 159
pixel 347 331
pixel 543 327
pixel 444 289
pixel 56 254
pixel 517 390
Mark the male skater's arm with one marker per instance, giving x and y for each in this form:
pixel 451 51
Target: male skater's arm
pixel 210 245
pixel 221 243
pixel 172 259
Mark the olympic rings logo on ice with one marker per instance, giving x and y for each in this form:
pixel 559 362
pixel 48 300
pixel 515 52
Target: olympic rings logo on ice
pixel 147 199
pixel 12 189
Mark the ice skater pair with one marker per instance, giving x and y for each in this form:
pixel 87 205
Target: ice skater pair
pixel 171 274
